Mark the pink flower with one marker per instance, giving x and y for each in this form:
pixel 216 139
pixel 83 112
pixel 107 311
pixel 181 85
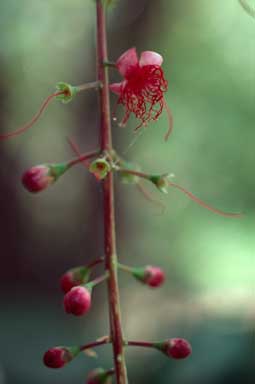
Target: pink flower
pixel 77 301
pixel 142 90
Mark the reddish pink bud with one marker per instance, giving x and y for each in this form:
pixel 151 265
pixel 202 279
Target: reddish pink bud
pixel 74 277
pixel 77 301
pixel 177 348
pixel 154 276
pixel 37 178
pixel 57 357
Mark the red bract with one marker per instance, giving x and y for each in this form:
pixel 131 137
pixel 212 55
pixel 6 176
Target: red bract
pixel 37 178
pixel 77 301
pixel 154 276
pixel 177 348
pixel 57 357
pixel 142 90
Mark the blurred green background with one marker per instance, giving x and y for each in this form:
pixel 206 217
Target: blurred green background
pixel 209 60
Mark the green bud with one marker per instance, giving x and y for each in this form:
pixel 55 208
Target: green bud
pixel 69 92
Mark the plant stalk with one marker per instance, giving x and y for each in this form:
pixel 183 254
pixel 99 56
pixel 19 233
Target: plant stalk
pixel 111 263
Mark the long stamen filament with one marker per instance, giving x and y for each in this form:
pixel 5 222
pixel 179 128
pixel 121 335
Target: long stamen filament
pixel 34 119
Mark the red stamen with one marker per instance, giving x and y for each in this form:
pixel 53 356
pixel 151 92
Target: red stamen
pixel 34 119
pixel 202 203
pixel 143 94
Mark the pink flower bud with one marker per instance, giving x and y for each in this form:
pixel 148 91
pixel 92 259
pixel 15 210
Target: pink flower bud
pixel 37 178
pixel 77 301
pixel 57 357
pixel 74 277
pixel 154 276
pixel 177 348
pixel 99 376
pixel 151 276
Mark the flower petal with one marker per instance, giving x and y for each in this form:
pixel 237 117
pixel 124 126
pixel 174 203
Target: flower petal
pixel 117 87
pixel 127 62
pixel 150 58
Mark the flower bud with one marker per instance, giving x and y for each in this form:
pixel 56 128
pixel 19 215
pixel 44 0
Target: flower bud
pixel 74 277
pixel 77 301
pixel 176 348
pixel 151 276
pixel 38 178
pixel 100 168
pixel 161 182
pixel 57 357
pixel 99 376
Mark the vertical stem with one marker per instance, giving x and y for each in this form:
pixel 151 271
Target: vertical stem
pixel 111 263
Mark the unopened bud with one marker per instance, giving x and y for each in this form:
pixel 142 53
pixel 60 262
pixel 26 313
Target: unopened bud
pixel 77 301
pixel 57 357
pixel 176 348
pixel 150 275
pixel 38 178
pixel 73 277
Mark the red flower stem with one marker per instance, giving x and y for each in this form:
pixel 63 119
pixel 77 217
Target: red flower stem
pixel 82 158
pixel 108 197
pixel 94 263
pixel 34 119
pixel 97 343
pixel 145 344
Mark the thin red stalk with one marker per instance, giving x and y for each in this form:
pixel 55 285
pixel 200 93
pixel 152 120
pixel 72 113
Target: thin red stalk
pixel 34 119
pixel 82 158
pixel 76 150
pixel 95 262
pixel 96 343
pixel 108 197
pixel 145 344
pixel 202 203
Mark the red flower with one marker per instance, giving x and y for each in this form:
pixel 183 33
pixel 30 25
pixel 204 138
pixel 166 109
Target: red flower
pixel 142 90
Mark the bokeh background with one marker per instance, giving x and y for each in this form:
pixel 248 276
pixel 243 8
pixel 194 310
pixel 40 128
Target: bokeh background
pixel 209 60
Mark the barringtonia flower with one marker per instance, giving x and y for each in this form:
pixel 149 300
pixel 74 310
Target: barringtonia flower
pixel 142 90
